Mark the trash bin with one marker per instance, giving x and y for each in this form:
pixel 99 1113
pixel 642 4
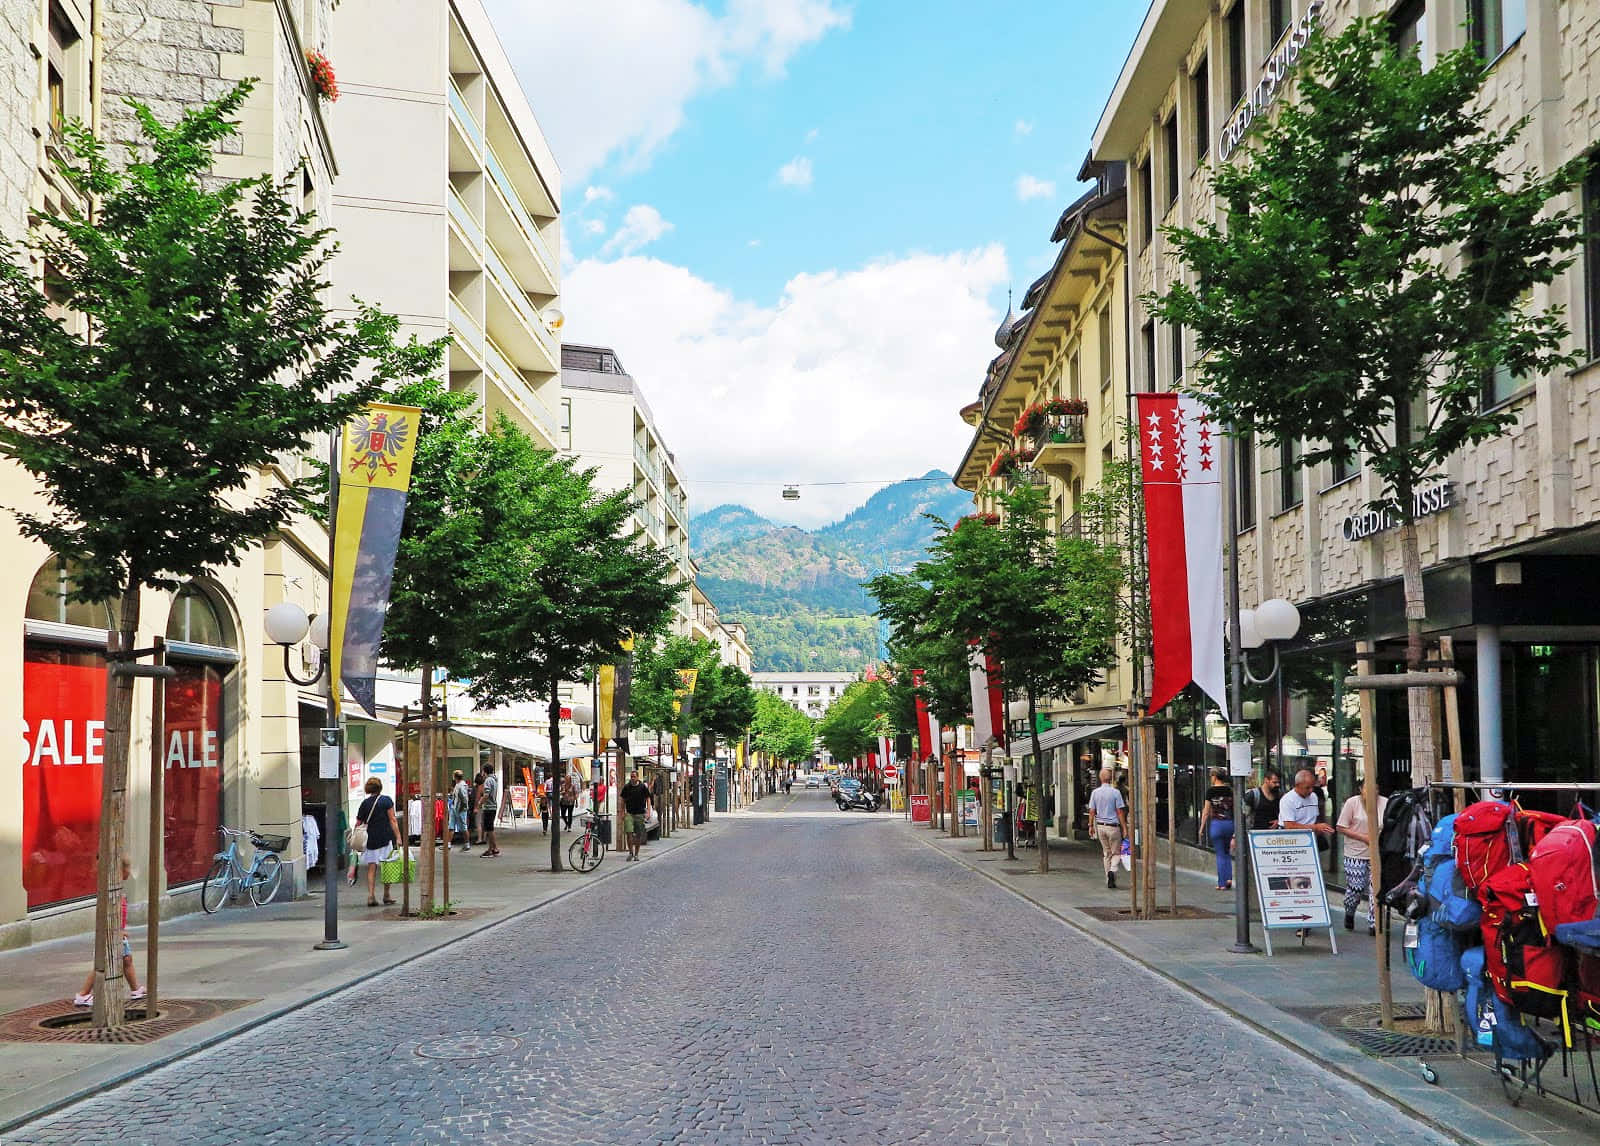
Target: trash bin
pixel 602 827
pixel 1002 829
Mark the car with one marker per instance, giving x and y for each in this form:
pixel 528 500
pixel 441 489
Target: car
pixel 813 781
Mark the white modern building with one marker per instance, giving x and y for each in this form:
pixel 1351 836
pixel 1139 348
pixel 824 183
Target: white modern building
pixel 807 692
pixel 449 199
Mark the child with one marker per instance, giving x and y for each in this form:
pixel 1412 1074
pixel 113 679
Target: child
pixel 85 998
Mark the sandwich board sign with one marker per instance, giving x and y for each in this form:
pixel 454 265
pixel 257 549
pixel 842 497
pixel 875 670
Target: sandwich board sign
pixel 1289 887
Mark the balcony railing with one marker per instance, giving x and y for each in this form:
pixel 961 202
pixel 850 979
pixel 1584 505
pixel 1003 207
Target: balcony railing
pixel 463 219
pixel 519 213
pixel 519 301
pixel 458 104
pixel 1072 527
pixel 1060 429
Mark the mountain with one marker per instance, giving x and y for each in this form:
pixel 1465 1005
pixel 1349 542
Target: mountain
pixel 799 592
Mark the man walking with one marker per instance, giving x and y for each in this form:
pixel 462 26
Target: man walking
pixel 1301 807
pixel 488 809
pixel 635 804
pixel 1109 811
pixel 1261 803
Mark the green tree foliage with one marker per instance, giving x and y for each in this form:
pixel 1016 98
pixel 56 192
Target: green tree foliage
pixel 1374 272
pixel 781 731
pixel 724 707
pixel 205 351
pixel 574 585
pixel 656 665
pixel 854 721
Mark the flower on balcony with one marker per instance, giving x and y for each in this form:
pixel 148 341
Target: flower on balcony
pixel 1007 462
pixel 1066 407
pixel 322 79
pixel 980 518
pixel 1030 422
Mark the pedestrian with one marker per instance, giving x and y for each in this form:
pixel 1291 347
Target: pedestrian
pixel 460 810
pixel 1216 826
pixel 85 997
pixel 1352 826
pixel 376 814
pixel 1261 802
pixel 569 796
pixel 473 837
pixel 488 809
pixel 1301 807
pixel 635 804
pixel 1109 811
pixel 542 794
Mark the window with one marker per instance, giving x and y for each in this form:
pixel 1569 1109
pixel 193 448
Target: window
pixel 1407 30
pixel 61 69
pixel 1169 139
pixel 1149 335
pixel 1591 252
pixel 1105 312
pixel 47 599
pixel 1147 211
pixel 566 423
pixel 1277 20
pixel 1344 466
pixel 1177 355
pixel 1074 384
pixel 1494 25
pixel 1291 477
pixel 1244 480
pixel 1202 111
pixel 813 690
pixel 195 620
pixel 1236 57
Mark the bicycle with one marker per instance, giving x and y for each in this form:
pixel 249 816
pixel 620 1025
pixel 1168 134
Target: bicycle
pixel 227 877
pixel 588 850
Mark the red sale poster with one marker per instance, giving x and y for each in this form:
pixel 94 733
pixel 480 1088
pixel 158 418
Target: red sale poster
pixel 63 710
pixel 192 750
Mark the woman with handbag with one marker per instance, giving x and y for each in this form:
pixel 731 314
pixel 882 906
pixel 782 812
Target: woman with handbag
pixel 374 836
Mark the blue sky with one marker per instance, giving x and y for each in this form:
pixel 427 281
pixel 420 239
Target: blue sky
pixel 797 219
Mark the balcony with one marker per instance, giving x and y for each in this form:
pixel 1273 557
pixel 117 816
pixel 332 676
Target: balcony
pixel 461 216
pixel 506 197
pixel 511 382
pixel 517 300
pixel 1061 446
pixel 1072 527
pixel 464 117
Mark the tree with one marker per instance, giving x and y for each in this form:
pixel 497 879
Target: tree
pixel 656 700
pixel 780 731
pixel 1374 272
pixel 851 726
pixel 724 705
pixel 205 351
pixel 577 586
pixel 1045 607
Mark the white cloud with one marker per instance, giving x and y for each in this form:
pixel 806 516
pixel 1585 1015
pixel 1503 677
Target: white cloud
pixel 1029 187
pixel 611 78
pixel 597 194
pixel 1023 127
pixel 594 226
pixel 753 243
pixel 641 226
pixel 796 172
pixel 811 136
pixel 852 375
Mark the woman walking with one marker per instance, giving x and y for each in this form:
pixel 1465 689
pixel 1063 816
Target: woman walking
pixel 460 806
pixel 1352 826
pixel 1216 826
pixel 569 796
pixel 376 814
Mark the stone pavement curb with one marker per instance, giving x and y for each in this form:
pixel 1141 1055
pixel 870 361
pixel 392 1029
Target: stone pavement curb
pixel 15 1114
pixel 1444 1112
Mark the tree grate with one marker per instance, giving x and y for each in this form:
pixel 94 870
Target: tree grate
pixel 61 1022
pixel 1362 1027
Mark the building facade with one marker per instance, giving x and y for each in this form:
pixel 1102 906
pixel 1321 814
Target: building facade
pixel 1511 532
pixel 809 693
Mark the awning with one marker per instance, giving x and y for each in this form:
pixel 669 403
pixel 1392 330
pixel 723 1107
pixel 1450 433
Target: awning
pixel 526 741
pixel 1065 734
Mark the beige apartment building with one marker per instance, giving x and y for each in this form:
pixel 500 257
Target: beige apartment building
pixel 1066 343
pixel 1513 529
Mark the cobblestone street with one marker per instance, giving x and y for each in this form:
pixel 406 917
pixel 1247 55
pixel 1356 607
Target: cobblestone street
pixel 807 976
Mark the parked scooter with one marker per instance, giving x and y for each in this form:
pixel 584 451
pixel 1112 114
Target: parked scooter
pixel 855 799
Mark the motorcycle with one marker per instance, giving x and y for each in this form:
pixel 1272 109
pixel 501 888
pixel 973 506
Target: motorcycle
pixel 856 799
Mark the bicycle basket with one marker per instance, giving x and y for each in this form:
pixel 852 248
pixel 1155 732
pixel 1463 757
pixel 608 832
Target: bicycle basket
pixel 270 843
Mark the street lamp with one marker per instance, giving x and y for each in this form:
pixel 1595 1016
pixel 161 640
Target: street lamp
pixel 288 625
pixel 1270 623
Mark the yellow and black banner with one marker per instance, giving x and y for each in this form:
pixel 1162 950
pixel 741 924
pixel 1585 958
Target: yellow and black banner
pixel 375 455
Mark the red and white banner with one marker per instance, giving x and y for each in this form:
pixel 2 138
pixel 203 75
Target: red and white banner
pixel 988 700
pixel 1181 450
pixel 925 745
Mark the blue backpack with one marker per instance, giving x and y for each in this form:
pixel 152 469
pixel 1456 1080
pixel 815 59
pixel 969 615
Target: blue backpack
pixel 1450 905
pixel 1435 957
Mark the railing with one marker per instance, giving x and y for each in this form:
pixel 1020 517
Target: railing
pixel 467 323
pixel 1060 429
pixel 519 213
pixel 519 301
pixel 469 124
pixel 1072 526
pixel 463 217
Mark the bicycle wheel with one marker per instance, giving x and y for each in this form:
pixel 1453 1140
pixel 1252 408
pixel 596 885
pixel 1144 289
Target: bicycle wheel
pixel 268 875
pixel 586 852
pixel 217 887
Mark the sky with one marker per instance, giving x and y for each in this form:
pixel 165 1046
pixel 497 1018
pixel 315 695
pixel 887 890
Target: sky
pixel 797 220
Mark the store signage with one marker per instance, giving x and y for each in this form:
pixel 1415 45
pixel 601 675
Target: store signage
pixel 1425 502
pixel 1288 880
pixel 63 741
pixel 1273 73
pixel 192 800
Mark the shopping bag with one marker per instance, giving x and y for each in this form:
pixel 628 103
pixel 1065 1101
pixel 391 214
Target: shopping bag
pixel 395 869
pixel 1126 856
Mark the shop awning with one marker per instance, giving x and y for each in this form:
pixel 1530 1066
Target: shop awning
pixel 527 741
pixel 1064 734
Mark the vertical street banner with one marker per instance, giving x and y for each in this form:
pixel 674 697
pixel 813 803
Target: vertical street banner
pixel 376 450
pixel 685 689
pixel 925 745
pixel 978 683
pixel 605 691
pixel 622 696
pixel 1180 451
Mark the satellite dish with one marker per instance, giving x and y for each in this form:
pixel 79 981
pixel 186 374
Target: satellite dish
pixel 791 493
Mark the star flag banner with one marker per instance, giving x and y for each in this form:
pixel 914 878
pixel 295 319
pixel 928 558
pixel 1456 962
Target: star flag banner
pixel 374 477
pixel 1181 451
pixel 925 746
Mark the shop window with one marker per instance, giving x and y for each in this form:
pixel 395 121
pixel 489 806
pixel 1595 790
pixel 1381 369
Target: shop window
pixel 1291 475
pixel 1494 25
pixel 49 599
pixel 196 621
pixel 1201 88
pixel 1244 479
pixel 1236 56
pixel 1169 144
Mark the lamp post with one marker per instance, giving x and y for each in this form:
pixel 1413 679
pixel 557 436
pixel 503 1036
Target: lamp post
pixel 287 625
pixel 1269 623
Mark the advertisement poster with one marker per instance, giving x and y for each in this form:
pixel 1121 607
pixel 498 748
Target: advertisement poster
pixel 63 712
pixel 192 749
pixel 1289 880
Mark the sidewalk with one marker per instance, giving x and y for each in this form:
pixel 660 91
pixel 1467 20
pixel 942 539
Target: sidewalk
pixel 264 958
pixel 1281 996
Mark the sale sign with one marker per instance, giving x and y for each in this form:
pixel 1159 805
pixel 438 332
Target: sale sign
pixel 192 750
pixel 63 713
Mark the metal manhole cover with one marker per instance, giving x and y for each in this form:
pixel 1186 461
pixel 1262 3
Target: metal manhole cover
pixel 61 1022
pixel 468 1046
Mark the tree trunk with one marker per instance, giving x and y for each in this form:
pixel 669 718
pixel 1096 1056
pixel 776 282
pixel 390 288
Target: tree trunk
pixel 1041 835
pixel 110 989
pixel 553 783
pixel 425 752
pixel 1420 701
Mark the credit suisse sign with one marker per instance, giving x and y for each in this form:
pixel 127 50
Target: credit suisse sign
pixel 1273 73
pixel 1424 503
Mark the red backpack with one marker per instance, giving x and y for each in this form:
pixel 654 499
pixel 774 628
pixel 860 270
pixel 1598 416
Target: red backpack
pixel 1482 846
pixel 1562 870
pixel 1525 965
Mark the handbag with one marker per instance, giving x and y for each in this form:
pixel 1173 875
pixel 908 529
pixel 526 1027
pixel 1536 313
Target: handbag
pixel 395 869
pixel 356 837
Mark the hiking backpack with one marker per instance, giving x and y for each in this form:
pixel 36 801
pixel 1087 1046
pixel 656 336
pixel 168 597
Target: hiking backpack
pixel 1563 875
pixel 1483 843
pixel 1403 838
pixel 1526 966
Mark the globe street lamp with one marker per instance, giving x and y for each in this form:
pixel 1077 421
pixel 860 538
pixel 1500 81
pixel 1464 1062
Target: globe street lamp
pixel 1270 623
pixel 288 625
